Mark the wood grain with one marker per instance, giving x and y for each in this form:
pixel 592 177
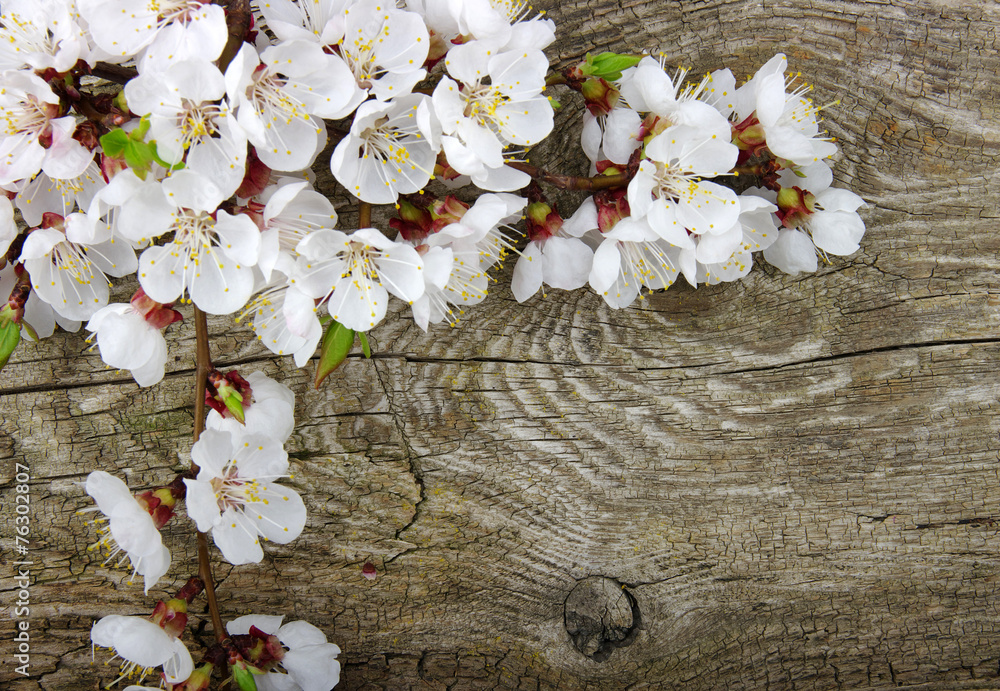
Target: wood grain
pixel 794 479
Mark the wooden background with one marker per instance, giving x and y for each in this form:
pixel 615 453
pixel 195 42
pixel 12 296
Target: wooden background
pixel 785 482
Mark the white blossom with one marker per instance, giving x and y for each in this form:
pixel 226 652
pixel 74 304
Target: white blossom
pixel 127 341
pixel 385 154
pixel 310 663
pixel 130 537
pixel 279 96
pixel 235 495
pixel 356 273
pixel 269 411
pixel 499 103
pixel 142 646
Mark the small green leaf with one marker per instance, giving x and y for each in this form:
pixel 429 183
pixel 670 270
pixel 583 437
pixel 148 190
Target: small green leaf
pixel 139 133
pixel 556 105
pixel 610 65
pixel 139 157
pixel 114 143
pixel 29 330
pixel 365 348
pixel 156 157
pixel 333 350
pixel 10 336
pixel 244 677
pixel 235 405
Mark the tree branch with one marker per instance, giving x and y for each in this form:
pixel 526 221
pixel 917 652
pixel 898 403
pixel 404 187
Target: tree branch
pixel 572 182
pixel 202 368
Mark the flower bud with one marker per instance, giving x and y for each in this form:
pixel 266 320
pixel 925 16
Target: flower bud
pixel 543 221
pixel 600 96
pixel 156 314
pixel 226 393
pixel 199 680
pixel 12 318
pixel 795 205
pixel 612 206
pixel 171 616
pixel 415 222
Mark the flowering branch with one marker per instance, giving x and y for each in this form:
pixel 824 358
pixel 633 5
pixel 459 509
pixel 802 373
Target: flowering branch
pixel 572 182
pixel 202 367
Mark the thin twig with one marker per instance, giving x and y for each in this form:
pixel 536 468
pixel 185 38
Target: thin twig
pixel 364 215
pixel 202 368
pixel 114 73
pixel 573 182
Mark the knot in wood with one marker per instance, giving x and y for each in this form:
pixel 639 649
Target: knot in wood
pixel 600 616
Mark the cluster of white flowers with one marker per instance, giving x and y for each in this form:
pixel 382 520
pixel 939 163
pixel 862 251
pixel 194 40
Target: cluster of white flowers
pixel 195 178
pixel 201 190
pixel 673 218
pixel 237 499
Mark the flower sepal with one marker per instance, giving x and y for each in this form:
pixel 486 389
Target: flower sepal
pixel 227 393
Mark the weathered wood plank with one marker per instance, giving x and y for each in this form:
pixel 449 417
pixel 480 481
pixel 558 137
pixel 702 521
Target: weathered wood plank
pixel 793 479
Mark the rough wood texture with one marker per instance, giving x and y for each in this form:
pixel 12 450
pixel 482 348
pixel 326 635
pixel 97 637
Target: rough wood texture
pixel 793 479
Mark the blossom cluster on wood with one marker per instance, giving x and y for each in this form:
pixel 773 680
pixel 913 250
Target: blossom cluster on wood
pixel 195 178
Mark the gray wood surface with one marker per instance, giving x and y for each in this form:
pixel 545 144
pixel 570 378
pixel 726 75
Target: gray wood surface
pixel 786 482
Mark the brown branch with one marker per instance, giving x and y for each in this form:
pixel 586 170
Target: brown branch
pixel 364 215
pixel 237 24
pixel 202 368
pixel 572 182
pixel 114 73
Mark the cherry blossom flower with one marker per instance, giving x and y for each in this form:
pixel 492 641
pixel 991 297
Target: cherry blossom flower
pixel 283 317
pixel 357 272
pixel 504 24
pixel 384 47
pixel 60 195
pixel 669 191
pixel 293 211
pixel 27 105
pixel 630 256
pixel 129 337
pixel 321 21
pixel 787 121
pixel 191 122
pixel 130 537
pixel 825 223
pixel 385 154
pixel 142 646
pixel 453 275
pixel 40 34
pixel 499 103
pixel 185 28
pixel 235 495
pixel 277 94
pixel 68 260
pixel 310 663
pixel 759 231
pixel 552 256
pixel 209 258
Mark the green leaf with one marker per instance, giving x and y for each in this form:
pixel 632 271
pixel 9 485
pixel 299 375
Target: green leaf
pixel 30 331
pixel 610 65
pixel 333 350
pixel 139 157
pixel 235 405
pixel 156 157
pixel 114 143
pixel 244 677
pixel 139 133
pixel 365 348
pixel 10 336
